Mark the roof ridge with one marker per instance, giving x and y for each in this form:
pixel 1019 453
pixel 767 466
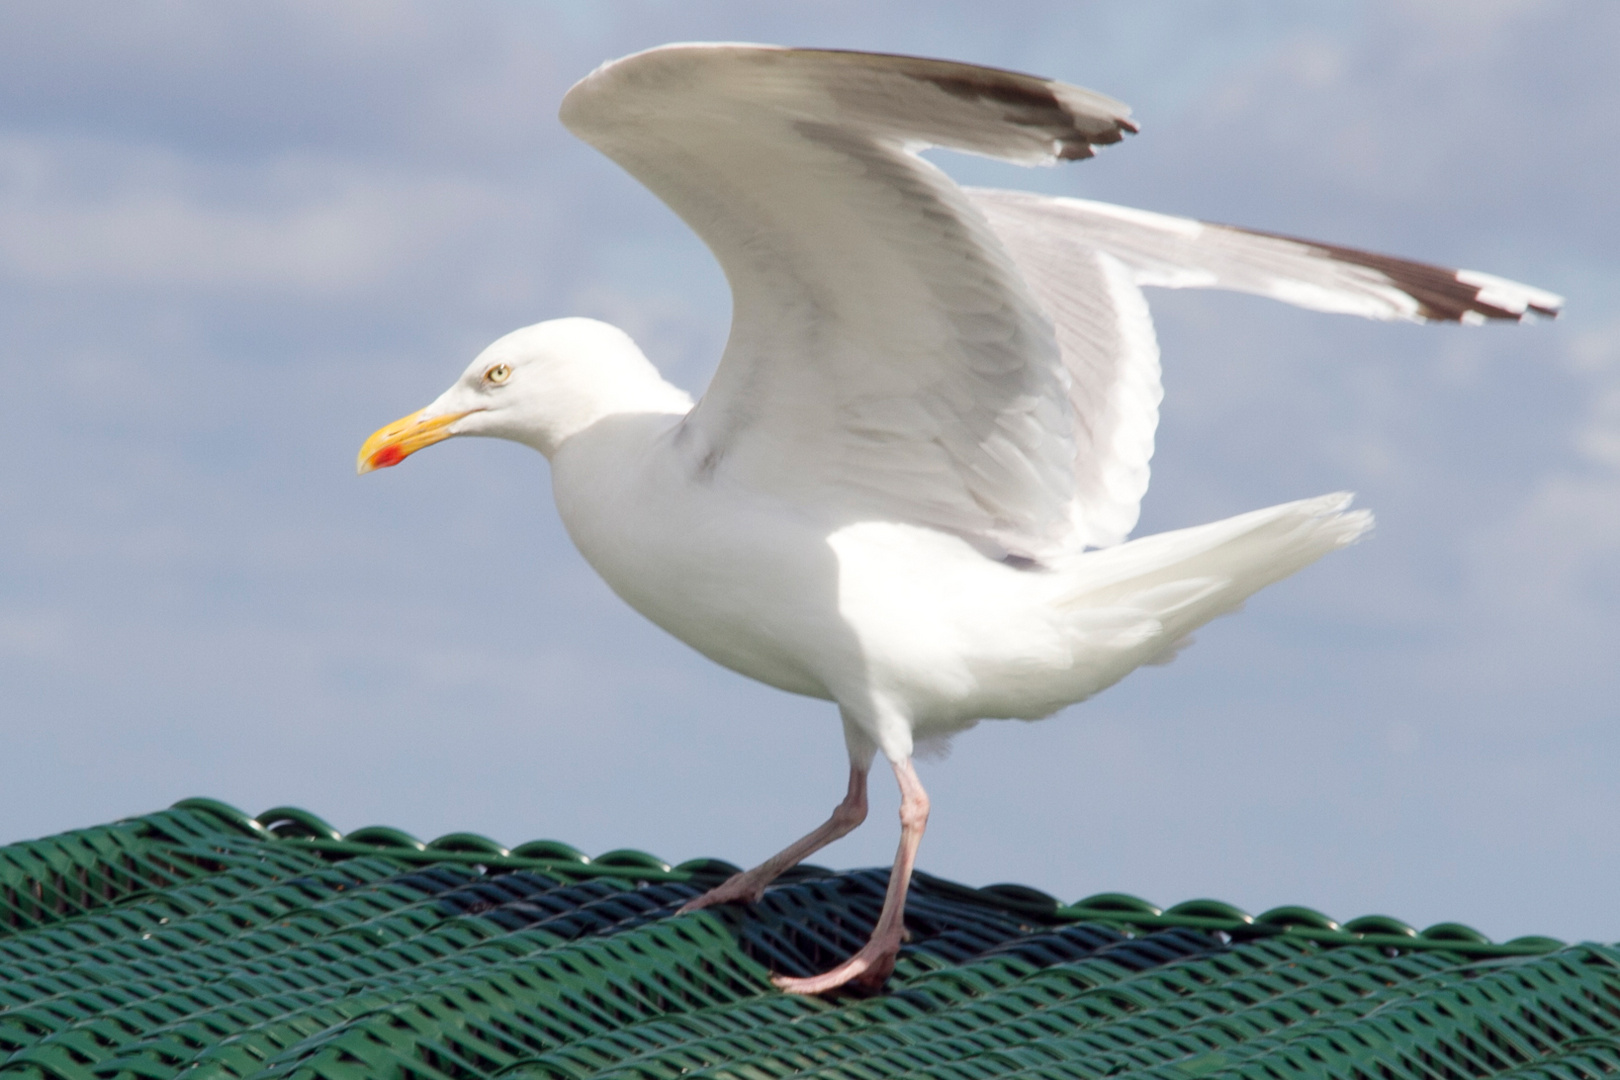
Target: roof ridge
pixel 200 940
pixel 292 826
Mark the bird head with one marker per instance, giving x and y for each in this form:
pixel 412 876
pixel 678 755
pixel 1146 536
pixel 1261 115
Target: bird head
pixel 537 386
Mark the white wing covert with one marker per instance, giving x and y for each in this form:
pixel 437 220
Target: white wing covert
pixel 885 354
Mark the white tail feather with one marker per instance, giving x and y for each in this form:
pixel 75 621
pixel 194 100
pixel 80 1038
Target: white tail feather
pixel 1164 587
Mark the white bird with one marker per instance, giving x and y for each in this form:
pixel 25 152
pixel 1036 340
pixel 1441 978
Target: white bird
pixel 907 486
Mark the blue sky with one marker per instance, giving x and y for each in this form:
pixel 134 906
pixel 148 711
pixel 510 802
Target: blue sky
pixel 234 239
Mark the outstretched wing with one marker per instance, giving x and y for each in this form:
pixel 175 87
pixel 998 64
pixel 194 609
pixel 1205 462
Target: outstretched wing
pixel 1176 252
pixel 1085 261
pixel 977 361
pixel 886 356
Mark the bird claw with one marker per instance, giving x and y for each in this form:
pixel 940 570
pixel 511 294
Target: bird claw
pixel 867 971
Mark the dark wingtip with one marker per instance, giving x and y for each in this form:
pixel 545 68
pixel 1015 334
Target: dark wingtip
pixel 1443 294
pixel 1074 118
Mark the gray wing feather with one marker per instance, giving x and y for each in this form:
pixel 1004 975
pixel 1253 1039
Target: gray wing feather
pixel 975 361
pixel 886 355
pixel 1177 252
pixel 1086 261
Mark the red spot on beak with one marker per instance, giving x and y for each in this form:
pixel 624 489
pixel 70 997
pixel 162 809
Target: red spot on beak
pixel 388 455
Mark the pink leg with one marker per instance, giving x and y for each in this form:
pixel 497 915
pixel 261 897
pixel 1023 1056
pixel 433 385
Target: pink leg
pixel 749 885
pixel 875 961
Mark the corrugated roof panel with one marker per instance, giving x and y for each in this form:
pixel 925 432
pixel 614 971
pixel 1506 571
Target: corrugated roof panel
pixel 200 942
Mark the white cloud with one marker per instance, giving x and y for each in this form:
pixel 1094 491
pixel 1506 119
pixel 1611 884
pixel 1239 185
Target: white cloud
pixel 81 213
pixel 1543 580
pixel 33 635
pixel 1594 356
pixel 1556 548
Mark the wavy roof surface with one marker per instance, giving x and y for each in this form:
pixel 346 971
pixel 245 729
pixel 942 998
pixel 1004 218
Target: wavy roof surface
pixel 201 942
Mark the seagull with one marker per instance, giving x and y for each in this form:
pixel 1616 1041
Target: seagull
pixel 908 488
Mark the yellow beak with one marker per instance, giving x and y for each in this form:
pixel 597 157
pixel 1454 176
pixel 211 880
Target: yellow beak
pixel 395 442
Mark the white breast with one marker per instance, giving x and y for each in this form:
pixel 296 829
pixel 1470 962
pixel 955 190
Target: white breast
pixel 749 583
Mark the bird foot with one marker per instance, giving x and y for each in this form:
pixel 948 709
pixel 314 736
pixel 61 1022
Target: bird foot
pixel 738 888
pixel 867 970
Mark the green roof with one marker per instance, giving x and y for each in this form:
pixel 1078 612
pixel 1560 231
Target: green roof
pixel 201 942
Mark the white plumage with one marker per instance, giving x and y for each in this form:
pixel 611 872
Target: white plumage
pixel 907 487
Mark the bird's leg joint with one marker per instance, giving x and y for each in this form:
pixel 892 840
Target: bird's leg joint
pixel 849 814
pixel 914 810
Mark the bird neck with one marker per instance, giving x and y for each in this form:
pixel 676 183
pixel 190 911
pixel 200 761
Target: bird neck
pixel 611 382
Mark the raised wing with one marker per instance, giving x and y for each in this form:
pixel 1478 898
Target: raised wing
pixel 886 355
pixel 1084 262
pixel 978 361
pixel 1175 252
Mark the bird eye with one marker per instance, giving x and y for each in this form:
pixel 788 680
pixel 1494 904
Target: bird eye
pixel 498 374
